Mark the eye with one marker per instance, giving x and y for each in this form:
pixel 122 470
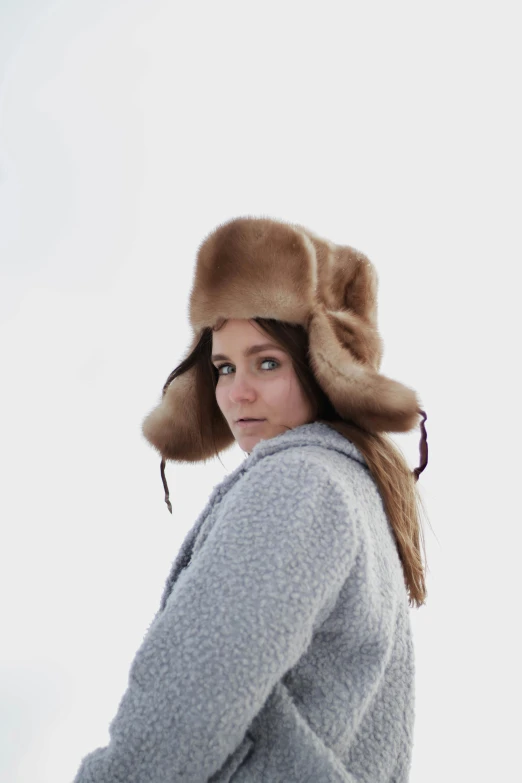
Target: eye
pixel 263 361
pixel 270 360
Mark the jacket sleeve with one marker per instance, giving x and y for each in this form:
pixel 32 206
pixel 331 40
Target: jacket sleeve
pixel 238 618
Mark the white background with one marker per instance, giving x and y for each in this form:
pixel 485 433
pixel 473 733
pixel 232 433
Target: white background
pixel 128 131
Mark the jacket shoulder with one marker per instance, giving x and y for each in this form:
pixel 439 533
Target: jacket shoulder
pixel 309 460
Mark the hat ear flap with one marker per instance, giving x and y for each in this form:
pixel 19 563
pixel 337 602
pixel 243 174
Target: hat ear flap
pixel 187 425
pixel 358 392
pixel 360 338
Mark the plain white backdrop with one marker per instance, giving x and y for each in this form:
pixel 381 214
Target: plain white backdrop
pixel 128 131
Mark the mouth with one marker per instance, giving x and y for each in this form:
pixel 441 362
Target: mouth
pixel 246 422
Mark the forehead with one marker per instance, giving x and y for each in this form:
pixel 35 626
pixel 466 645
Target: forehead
pixel 240 340
pixel 238 332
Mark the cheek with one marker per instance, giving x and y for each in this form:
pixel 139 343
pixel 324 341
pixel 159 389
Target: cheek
pixel 290 395
pixel 279 391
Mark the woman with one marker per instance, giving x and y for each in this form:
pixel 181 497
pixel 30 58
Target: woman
pixel 282 649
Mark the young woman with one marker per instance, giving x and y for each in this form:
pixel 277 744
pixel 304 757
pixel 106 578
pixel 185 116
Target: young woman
pixel 282 650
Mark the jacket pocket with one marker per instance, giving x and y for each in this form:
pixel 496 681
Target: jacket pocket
pixel 235 761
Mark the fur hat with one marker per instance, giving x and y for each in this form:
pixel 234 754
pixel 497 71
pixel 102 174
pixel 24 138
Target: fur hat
pixel 261 268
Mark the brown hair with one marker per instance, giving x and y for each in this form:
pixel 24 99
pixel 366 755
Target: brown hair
pixel 396 482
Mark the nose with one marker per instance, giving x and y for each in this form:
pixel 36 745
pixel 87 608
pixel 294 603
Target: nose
pixel 241 389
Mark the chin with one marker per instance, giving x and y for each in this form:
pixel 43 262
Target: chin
pixel 247 442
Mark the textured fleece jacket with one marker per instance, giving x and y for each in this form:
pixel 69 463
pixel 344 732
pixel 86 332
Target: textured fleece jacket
pixel 282 651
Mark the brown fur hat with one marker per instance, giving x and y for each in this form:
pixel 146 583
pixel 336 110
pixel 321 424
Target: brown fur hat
pixel 257 267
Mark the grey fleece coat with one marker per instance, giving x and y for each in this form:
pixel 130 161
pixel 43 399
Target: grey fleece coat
pixel 282 650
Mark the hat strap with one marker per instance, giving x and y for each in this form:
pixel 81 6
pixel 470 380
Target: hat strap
pixel 165 485
pixel 423 447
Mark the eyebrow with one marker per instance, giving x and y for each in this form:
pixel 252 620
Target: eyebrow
pixel 249 351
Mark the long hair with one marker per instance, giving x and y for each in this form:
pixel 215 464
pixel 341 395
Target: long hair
pixel 394 479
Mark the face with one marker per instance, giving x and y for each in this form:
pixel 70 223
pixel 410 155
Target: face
pixel 256 383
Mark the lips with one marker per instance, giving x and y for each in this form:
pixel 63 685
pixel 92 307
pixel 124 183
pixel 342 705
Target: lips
pixel 248 421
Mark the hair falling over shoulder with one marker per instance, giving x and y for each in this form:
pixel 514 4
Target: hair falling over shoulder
pixel 395 480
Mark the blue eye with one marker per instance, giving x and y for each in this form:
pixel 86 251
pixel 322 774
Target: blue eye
pixel 270 360
pixel 227 364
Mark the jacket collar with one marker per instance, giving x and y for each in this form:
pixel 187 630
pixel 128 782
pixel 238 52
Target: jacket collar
pixel 316 433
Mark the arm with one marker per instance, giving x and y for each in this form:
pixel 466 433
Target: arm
pixel 236 621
